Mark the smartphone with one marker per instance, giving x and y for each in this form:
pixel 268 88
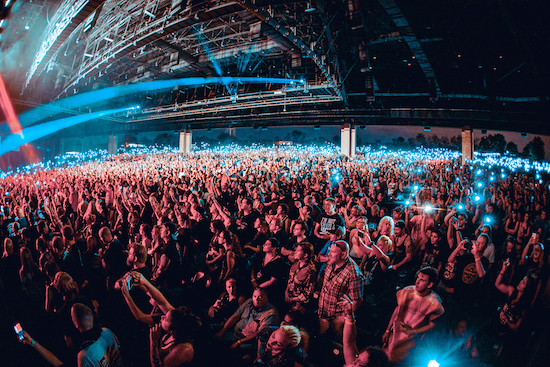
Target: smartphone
pixel 19 331
pixel 534 235
pixel 131 281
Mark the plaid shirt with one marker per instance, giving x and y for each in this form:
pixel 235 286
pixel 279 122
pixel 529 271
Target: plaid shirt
pixel 347 279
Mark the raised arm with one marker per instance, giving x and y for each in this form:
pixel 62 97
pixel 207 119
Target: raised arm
pixel 159 298
pixel 504 288
pixel 350 332
pixel 138 314
pixel 45 353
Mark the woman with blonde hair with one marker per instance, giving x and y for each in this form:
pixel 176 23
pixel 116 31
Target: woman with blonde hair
pixel 280 346
pixel 385 227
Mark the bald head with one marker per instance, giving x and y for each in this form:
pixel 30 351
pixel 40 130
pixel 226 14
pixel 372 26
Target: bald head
pixel 82 316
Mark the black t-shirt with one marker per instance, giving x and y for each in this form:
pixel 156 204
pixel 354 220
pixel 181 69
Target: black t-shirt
pixel 374 275
pixel 466 280
pixel 141 298
pixel 171 276
pixel 275 268
pixel 115 259
pixel 329 223
pixel 247 233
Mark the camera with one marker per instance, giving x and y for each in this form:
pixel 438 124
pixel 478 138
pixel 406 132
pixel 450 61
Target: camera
pixel 468 245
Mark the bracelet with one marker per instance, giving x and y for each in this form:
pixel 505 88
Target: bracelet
pixel 239 341
pixel 478 259
pixel 349 322
pixel 500 273
pixel 33 343
pixel 253 280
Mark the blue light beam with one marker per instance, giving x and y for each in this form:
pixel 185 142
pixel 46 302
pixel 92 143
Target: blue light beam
pixel 32 133
pixel 37 114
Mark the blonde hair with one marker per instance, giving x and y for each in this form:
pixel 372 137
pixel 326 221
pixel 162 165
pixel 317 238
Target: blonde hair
pixel 293 335
pixel 387 243
pixel 389 219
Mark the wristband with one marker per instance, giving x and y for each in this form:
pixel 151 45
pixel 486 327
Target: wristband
pixel 33 343
pixel 349 322
pixel 253 280
pixel 239 341
pixel 478 259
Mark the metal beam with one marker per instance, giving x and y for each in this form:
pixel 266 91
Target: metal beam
pixel 408 35
pixel 68 16
pixel 300 45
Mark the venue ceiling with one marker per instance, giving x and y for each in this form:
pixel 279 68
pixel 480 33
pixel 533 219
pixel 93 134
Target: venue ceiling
pixel 274 62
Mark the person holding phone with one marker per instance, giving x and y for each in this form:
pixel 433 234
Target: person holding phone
pixel 97 346
pixel 470 267
pixel 25 338
pixel 170 334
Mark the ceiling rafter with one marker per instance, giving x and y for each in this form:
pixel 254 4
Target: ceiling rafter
pixel 412 41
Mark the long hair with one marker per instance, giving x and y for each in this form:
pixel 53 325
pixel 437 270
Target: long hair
pixel 389 219
pixel 27 262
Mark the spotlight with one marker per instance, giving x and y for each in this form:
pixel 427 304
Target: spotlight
pixel 433 363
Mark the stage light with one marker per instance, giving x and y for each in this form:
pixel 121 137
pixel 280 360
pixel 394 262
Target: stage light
pixel 433 363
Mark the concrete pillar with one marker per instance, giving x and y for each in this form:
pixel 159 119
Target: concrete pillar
pixel 353 140
pixel 186 139
pixel 348 140
pixel 113 144
pixel 467 144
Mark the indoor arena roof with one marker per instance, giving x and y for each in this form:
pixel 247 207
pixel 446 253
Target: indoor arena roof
pixel 439 63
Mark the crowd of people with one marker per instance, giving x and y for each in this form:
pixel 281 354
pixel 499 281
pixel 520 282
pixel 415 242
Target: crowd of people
pixel 274 257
